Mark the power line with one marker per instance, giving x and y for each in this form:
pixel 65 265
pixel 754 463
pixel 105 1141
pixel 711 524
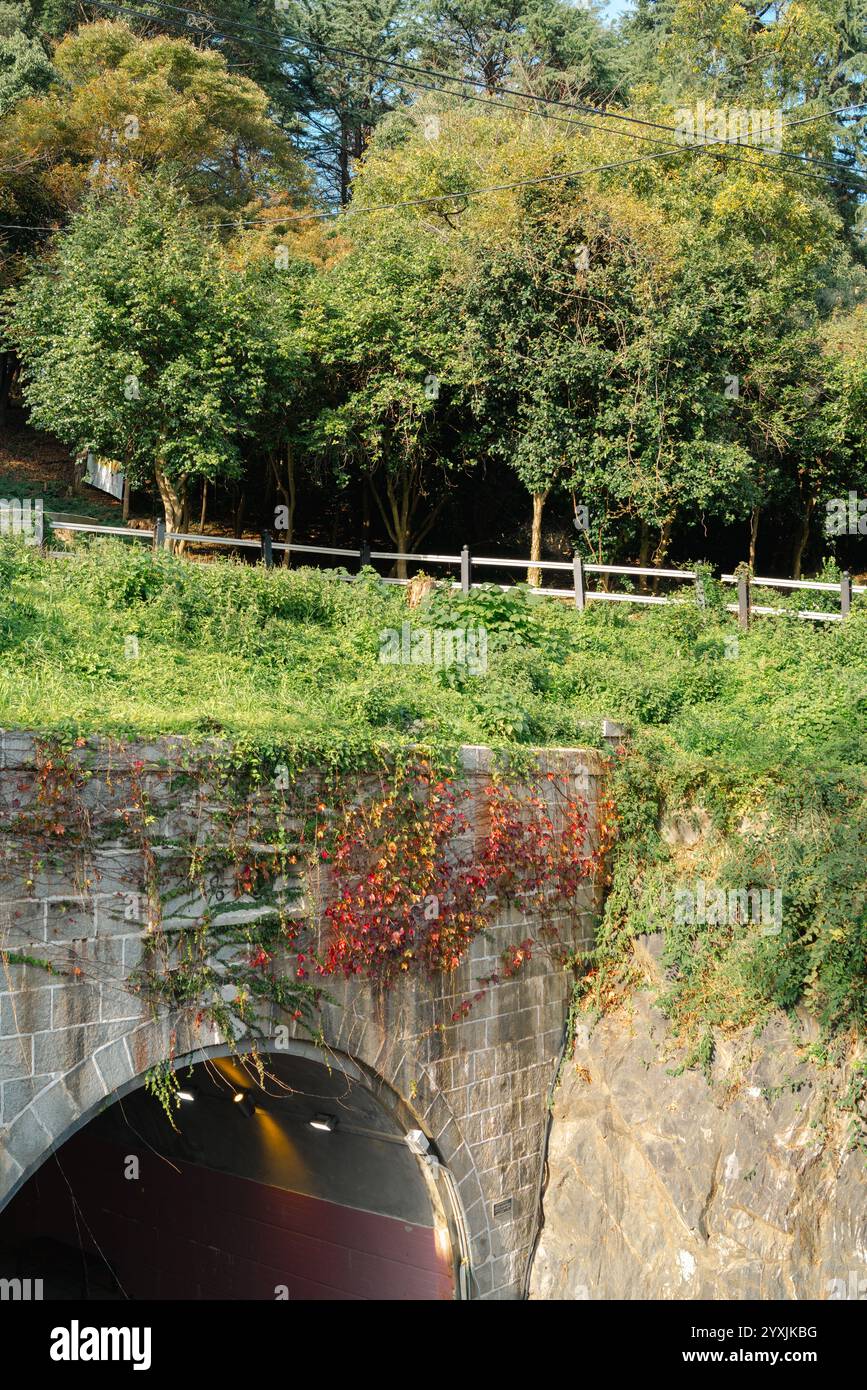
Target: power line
pixel 840 174
pixel 424 201
pixel 711 146
pixel 375 61
pixel 468 193
pixel 461 193
pixel 419 202
pixel 822 115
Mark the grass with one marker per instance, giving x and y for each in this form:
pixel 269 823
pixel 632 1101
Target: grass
pixel 758 739
pixel 295 654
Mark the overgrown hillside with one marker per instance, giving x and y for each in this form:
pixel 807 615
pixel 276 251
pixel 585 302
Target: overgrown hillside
pixel 745 765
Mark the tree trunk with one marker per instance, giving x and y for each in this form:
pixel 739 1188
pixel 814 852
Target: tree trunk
pixel 754 535
pixel 343 164
pixel 287 491
pixel 661 550
pixel 125 513
pixel 239 512
pixel 79 468
pixel 534 576
pixel 400 516
pixel 7 373
pixel 643 557
pixel 172 500
pixel 204 506
pixel 802 538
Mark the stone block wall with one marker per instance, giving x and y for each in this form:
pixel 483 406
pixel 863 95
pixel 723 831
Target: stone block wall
pixel 74 1039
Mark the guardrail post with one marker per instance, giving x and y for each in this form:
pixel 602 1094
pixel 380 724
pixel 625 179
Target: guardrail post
pixel 845 592
pixel 578 581
pixel 159 536
pixel 744 601
pixel 364 554
pixel 267 552
pixel 466 571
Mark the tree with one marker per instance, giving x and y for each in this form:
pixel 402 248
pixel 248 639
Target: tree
pixel 130 107
pixel 552 46
pixel 25 68
pixel 279 285
pixel 382 330
pixel 805 59
pixel 641 336
pixel 338 93
pixel 139 341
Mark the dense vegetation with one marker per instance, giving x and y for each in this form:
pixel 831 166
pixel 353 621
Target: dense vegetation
pixel 327 258
pixel 755 740
pixel 393 271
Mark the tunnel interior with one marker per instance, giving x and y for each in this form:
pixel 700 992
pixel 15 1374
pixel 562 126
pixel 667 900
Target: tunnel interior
pixel 296 1186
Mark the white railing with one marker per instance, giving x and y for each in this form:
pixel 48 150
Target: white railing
pixel 578 593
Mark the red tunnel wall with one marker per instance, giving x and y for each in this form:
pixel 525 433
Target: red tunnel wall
pixel 200 1234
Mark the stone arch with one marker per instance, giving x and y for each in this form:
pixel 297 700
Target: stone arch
pixel 117 1068
pixel 470 1068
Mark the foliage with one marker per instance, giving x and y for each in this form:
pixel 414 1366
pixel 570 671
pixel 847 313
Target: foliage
pixel 675 339
pixel 349 874
pixel 140 343
pixel 555 47
pixel 379 323
pixel 760 740
pixel 125 107
pixel 25 68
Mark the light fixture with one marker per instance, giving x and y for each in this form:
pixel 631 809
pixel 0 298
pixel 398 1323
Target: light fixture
pixel 242 1098
pixel 417 1141
pixel 188 1093
pixel 328 1123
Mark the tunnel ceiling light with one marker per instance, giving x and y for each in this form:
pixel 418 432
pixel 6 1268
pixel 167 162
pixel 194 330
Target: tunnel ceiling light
pixel 242 1098
pixel 187 1093
pixel 324 1122
pixel 417 1141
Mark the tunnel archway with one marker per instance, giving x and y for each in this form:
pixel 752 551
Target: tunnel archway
pixel 299 1184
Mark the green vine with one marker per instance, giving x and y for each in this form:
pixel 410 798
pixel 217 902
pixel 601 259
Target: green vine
pixel 260 879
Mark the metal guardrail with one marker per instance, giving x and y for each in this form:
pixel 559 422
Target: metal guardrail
pixel 86 526
pixel 579 594
pixel 744 606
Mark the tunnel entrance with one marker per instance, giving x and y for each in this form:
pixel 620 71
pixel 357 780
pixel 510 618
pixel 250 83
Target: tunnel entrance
pixel 298 1186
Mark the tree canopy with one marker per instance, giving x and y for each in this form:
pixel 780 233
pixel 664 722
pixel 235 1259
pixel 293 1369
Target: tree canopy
pixel 395 256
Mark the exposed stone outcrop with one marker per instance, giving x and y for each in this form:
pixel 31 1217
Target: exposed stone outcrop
pixel 664 1185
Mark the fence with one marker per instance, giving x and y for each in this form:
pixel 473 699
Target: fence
pixel 577 568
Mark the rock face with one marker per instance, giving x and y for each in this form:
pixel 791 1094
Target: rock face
pixel 666 1186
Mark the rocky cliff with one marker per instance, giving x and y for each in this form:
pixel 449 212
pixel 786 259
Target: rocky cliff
pixel 665 1184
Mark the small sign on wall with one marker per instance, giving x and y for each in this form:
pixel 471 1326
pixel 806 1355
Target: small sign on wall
pixel 503 1208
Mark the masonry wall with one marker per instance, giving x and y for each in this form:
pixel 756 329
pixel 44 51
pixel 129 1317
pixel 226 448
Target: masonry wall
pixel 74 1040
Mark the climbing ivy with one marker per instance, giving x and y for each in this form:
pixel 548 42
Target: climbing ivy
pixel 263 879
